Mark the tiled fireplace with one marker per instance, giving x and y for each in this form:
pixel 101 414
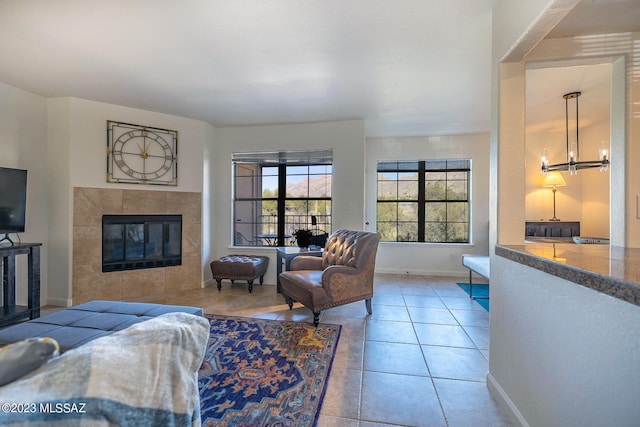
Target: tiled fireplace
pixel 89 207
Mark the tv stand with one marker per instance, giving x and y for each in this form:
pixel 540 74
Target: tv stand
pixel 12 313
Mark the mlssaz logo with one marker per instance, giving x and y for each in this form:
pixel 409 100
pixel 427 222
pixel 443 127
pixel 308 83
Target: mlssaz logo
pixel 63 408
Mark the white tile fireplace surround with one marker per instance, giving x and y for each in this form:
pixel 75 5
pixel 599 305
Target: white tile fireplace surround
pixel 89 282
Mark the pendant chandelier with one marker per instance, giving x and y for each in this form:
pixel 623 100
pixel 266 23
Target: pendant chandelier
pixel 573 163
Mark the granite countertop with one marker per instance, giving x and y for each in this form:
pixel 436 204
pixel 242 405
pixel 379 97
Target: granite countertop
pixel 612 270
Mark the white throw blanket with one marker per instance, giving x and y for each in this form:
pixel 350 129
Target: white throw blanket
pixel 145 375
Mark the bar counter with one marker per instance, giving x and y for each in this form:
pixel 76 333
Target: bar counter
pixel 612 270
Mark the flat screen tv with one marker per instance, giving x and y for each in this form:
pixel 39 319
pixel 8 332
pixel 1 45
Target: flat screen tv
pixel 13 200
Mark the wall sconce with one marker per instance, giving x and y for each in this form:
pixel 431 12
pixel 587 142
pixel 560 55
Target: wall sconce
pixel 573 163
pixel 553 180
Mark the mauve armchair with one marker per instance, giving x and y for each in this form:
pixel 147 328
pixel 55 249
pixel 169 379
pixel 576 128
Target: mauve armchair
pixel 344 273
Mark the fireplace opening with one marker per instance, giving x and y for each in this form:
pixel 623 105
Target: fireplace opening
pixel 131 242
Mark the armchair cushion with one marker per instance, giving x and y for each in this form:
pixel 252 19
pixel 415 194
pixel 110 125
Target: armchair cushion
pixel 306 287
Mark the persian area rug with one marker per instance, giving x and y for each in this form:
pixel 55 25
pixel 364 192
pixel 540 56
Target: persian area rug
pixel 480 292
pixel 262 373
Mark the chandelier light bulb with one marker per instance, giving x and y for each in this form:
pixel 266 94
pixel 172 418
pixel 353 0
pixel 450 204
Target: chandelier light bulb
pixel 604 157
pixel 544 161
pixel 604 152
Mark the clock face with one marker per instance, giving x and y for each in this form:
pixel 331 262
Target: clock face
pixel 141 154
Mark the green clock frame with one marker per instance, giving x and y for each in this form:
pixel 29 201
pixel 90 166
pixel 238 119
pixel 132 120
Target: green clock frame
pixel 141 154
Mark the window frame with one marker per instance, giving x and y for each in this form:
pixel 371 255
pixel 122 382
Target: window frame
pixel 283 162
pixel 419 221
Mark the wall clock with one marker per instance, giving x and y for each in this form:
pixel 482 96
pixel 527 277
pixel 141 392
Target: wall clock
pixel 141 154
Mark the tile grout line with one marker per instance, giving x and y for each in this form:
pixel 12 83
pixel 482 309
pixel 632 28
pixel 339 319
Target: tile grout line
pixel 364 342
pixel 424 357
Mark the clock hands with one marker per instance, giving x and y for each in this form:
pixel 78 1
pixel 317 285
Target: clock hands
pixel 143 153
pixel 143 150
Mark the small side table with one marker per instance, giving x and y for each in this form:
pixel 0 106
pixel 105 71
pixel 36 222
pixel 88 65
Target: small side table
pixel 287 253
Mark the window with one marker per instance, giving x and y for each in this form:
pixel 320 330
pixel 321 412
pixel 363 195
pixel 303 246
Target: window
pixel 424 201
pixel 277 193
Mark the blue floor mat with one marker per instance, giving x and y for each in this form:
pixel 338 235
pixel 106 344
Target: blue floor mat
pixel 480 292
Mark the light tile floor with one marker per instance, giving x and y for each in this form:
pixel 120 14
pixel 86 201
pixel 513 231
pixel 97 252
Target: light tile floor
pixel 419 360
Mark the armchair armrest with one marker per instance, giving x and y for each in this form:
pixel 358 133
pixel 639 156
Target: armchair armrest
pixel 306 262
pixel 342 282
pixel 332 270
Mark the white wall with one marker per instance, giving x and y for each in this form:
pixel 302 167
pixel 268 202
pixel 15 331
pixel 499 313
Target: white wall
pixel 434 259
pixel 209 192
pixel 621 50
pixel 539 201
pixel 595 188
pixel 554 344
pixel 517 27
pixel 87 144
pixel 23 142
pixel 562 354
pixel 59 220
pixel 77 146
pixel 585 198
pixel 73 134
pixel 347 140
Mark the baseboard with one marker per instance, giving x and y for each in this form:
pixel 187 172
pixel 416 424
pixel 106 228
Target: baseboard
pixel 451 273
pixel 504 402
pixel 59 302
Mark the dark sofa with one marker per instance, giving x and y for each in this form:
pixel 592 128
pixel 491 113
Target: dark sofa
pixel 129 364
pixel 74 326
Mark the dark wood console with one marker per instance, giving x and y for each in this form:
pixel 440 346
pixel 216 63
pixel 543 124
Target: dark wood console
pixel 12 313
pixel 552 228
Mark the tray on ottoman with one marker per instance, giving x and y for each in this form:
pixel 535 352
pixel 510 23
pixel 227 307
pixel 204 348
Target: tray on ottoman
pixel 239 267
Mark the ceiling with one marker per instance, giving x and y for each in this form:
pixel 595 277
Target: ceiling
pixel 397 65
pixel 545 107
pixel 599 17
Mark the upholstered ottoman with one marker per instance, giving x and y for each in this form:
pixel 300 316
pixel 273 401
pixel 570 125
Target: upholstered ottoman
pixel 239 267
